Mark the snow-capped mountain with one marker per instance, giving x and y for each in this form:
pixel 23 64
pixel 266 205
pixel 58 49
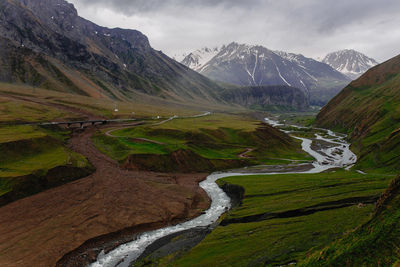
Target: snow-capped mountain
pixel 198 58
pixel 350 62
pixel 251 65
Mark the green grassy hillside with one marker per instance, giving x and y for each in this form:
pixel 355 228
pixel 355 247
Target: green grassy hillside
pixel 283 218
pixel 369 110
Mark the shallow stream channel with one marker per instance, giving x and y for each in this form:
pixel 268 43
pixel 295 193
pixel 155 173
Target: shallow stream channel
pixel 335 153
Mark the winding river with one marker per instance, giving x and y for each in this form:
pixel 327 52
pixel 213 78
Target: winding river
pixel 336 155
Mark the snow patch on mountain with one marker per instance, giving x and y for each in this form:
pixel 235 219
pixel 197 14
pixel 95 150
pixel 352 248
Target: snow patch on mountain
pixel 197 59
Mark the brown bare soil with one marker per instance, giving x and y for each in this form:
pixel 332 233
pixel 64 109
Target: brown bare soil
pixel 41 229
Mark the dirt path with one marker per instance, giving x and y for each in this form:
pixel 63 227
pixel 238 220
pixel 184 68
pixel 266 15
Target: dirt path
pixel 109 133
pixel 244 155
pixel 41 229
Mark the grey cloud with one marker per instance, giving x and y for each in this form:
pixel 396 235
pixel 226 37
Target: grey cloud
pixel 129 7
pixel 311 27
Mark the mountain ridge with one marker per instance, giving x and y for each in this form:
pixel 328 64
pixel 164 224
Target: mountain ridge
pixel 118 63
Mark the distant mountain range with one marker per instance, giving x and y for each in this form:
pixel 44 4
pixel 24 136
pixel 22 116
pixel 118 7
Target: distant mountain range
pixel 251 65
pixel 350 62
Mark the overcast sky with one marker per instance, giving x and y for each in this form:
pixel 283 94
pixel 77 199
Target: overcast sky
pixel 310 27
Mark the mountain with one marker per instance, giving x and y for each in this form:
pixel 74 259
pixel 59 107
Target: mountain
pixel 46 44
pixel 248 65
pixel 350 62
pixel 368 109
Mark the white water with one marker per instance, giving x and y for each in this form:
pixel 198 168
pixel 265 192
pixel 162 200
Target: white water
pixel 123 255
pixel 272 122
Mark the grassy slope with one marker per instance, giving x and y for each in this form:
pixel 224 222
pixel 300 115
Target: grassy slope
pixel 376 243
pixel 368 109
pixel 17 110
pixel 219 136
pixel 16 104
pixel 276 241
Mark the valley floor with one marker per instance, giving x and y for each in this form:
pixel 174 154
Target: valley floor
pixel 283 218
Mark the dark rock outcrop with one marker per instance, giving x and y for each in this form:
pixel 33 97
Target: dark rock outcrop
pixel 234 192
pixel 268 97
